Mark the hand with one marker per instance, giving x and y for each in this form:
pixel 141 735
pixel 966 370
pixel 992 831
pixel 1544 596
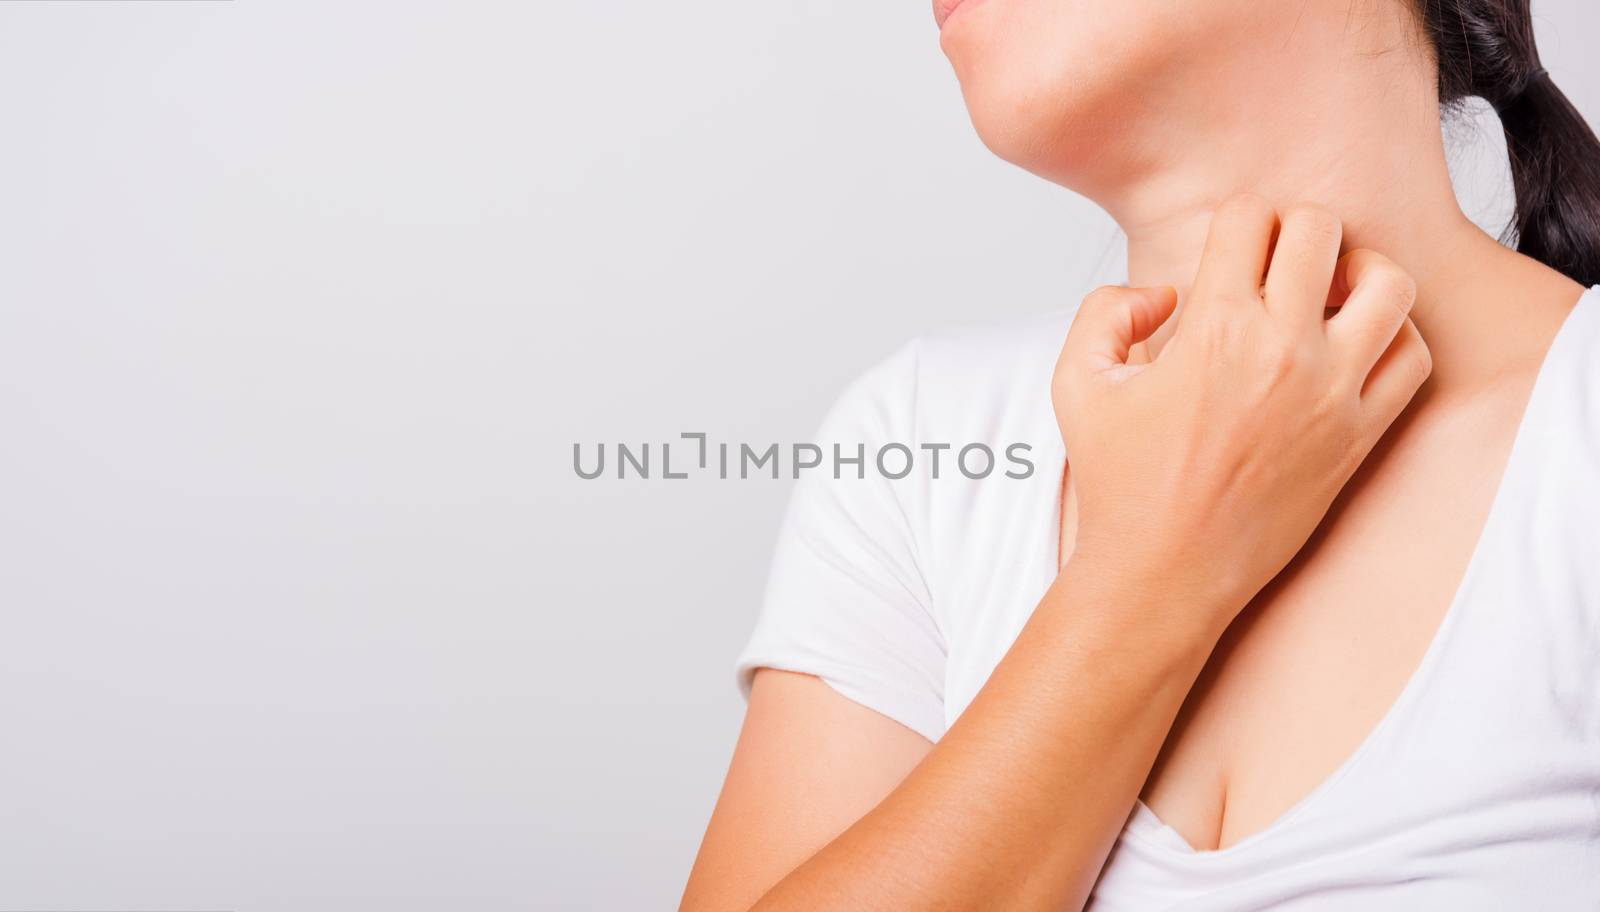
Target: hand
pixel 1208 467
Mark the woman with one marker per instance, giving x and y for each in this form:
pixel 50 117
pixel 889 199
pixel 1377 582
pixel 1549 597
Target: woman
pixel 1282 620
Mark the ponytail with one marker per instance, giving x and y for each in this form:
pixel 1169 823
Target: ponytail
pixel 1485 48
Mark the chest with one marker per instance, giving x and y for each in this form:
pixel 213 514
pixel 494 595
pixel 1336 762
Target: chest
pixel 1314 664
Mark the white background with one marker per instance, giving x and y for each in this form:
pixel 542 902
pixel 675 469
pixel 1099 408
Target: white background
pixel 302 307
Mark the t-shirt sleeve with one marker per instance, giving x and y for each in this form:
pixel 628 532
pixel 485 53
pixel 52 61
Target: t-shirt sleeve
pixel 847 600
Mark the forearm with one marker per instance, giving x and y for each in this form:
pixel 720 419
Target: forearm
pixel 1019 803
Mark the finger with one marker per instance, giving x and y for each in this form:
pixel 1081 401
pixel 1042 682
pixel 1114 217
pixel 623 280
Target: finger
pixel 1303 262
pixel 1237 246
pixel 1377 300
pixel 1397 376
pixel 1114 319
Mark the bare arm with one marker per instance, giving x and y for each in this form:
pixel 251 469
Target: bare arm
pixel 1015 808
pixel 1265 410
pixel 809 763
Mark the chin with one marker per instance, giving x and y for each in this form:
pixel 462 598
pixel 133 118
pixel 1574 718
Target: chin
pixel 1061 87
pixel 1031 125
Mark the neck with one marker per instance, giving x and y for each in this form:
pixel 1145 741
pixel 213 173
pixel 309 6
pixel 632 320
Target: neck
pixel 1408 213
pixel 1368 146
pixel 1483 309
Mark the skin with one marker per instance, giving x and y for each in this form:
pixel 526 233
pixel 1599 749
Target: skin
pixel 1311 541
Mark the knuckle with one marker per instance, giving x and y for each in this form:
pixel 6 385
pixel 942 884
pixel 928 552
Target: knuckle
pixel 1385 278
pixel 1420 363
pixel 1351 429
pixel 1281 356
pixel 1354 445
pixel 1313 223
pixel 1310 351
pixel 1104 296
pixel 1399 286
pixel 1348 270
pixel 1235 299
pixel 1345 388
pixel 1334 409
pixel 1245 207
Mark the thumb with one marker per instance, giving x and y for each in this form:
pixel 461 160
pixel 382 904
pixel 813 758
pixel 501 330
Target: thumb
pixel 1112 320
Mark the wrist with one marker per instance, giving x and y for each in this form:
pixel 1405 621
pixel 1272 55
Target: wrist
pixel 1172 604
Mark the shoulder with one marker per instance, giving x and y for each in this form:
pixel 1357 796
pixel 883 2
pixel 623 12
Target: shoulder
pixel 1572 368
pixel 899 511
pixel 1585 318
pixel 979 380
pixel 937 454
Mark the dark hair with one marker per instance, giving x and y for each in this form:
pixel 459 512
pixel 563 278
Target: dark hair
pixel 1485 48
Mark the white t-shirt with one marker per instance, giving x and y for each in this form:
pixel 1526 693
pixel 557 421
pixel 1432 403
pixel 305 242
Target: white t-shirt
pixel 1479 789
